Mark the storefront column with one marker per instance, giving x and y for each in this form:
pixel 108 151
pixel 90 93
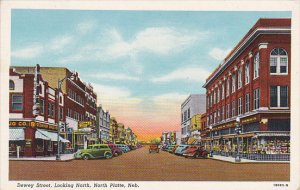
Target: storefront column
pixel 29 149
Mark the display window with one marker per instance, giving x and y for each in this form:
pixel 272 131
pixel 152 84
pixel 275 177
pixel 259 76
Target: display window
pixel 39 145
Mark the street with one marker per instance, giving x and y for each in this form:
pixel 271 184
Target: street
pixel 140 165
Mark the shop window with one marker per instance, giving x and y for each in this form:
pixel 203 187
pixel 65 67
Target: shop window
pixel 11 85
pixel 17 102
pixel 278 61
pixel 50 146
pixel 39 145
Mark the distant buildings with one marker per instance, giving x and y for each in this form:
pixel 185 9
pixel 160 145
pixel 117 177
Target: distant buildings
pixel 193 105
pixel 171 137
pixel 103 124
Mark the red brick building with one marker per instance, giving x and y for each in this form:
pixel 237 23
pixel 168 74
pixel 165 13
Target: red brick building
pixel 77 102
pixel 32 115
pixel 253 84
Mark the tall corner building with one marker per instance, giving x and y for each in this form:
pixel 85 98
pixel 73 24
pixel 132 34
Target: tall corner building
pixel 253 84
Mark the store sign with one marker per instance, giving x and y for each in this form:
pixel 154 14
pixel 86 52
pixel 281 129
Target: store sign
pixel 249 120
pixel 32 124
pixel 85 124
pixel 28 143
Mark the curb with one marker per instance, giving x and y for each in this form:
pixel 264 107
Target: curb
pixel 257 162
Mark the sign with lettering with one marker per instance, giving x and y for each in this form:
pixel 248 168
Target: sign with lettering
pixel 85 124
pixel 249 120
pixel 32 124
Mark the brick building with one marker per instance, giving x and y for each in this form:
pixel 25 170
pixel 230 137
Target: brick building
pixel 79 104
pixel 253 84
pixel 32 114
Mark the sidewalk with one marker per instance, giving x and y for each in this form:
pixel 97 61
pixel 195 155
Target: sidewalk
pixel 64 157
pixel 232 160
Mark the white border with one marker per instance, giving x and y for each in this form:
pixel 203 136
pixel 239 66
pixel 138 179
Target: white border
pixel 293 6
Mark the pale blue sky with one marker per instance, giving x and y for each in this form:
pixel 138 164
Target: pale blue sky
pixel 139 57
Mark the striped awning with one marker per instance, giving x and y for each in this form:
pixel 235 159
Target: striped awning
pixel 47 135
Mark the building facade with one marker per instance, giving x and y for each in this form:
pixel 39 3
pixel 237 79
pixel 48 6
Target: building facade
pixel 193 105
pixel 33 115
pixel 79 99
pixel 251 89
pixel 103 124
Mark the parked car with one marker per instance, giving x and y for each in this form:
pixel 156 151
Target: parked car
pixel 116 151
pixel 181 148
pixel 170 148
pixel 196 152
pixel 153 148
pixel 123 147
pixel 93 152
pixel 164 147
pixel 132 147
pixel 174 148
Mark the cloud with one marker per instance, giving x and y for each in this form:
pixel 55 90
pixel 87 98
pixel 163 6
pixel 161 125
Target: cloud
pixel 196 74
pixel 28 52
pixel 110 44
pixel 86 26
pixel 60 42
pixel 114 76
pixel 148 40
pixel 218 54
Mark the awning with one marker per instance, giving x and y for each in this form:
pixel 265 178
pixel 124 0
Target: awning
pixel 270 134
pixel 192 140
pixel 16 134
pixel 46 135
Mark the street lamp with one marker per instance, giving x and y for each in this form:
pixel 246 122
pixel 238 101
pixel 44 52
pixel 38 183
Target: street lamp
pixel 238 131
pixel 210 134
pixel 59 83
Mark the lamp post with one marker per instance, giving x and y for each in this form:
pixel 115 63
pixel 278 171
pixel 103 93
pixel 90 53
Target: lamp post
pixel 59 83
pixel 210 134
pixel 238 131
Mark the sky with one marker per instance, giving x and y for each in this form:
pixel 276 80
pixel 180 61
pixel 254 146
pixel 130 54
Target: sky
pixel 142 64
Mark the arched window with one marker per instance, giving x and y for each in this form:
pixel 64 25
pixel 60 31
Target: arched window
pixel 11 85
pixel 278 61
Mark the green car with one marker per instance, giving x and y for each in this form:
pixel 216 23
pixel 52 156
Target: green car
pixel 93 152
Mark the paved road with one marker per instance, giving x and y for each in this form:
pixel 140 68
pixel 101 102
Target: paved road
pixel 140 165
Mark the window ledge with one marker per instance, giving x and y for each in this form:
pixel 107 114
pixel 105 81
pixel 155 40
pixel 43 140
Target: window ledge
pixel 279 108
pixel 284 74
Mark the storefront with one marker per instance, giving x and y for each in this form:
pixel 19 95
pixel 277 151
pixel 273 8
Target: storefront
pixel 33 138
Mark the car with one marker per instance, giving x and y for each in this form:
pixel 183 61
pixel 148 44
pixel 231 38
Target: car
pixel 93 152
pixel 181 148
pixel 116 151
pixel 164 147
pixel 153 148
pixel 196 152
pixel 123 147
pixel 174 148
pixel 132 147
pixel 170 148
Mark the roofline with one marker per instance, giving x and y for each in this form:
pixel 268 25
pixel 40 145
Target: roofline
pixel 246 42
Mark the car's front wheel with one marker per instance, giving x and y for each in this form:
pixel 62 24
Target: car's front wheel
pixel 85 157
pixel 108 155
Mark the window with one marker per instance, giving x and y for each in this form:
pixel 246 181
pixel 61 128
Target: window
pixel 223 91
pixel 256 66
pixel 233 108
pixel 17 102
pixel 247 72
pixel 11 85
pixel 256 99
pixel 233 83
pixel 215 96
pixel 189 113
pixel 278 96
pixel 219 115
pixel 182 117
pixel 222 113
pixel 42 106
pixel 215 117
pixel 228 87
pixel 61 113
pixel 218 95
pixel 247 103
pixel 227 111
pixel 278 61
pixel 240 106
pixel 240 72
